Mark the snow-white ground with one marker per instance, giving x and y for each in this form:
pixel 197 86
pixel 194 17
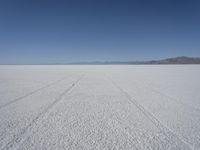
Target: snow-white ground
pixel 154 107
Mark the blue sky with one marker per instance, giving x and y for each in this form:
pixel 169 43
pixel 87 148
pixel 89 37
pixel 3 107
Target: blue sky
pixel 55 31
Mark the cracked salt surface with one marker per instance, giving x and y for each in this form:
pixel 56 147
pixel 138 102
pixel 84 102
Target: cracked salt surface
pixel 99 107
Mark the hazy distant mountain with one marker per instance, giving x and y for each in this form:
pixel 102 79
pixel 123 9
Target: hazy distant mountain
pixel 175 60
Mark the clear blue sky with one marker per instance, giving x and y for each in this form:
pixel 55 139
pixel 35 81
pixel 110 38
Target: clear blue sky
pixel 55 31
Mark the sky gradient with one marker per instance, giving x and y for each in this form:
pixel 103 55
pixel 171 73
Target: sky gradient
pixel 55 31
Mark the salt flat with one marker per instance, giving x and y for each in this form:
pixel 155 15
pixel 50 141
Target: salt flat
pixel 100 107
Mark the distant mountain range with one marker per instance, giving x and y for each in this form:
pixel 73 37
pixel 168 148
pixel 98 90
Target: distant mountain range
pixel 177 60
pixel 174 60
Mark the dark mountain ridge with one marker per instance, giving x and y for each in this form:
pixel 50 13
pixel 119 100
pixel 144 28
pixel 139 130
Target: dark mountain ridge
pixel 174 60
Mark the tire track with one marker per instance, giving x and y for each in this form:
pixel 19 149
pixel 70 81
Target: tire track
pixel 166 95
pixel 173 99
pixel 21 136
pixel 33 92
pixel 153 119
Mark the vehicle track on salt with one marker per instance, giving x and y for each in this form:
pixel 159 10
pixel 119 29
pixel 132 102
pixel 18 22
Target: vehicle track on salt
pixel 31 132
pixel 152 118
pixel 21 136
pixel 33 92
pixel 167 96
